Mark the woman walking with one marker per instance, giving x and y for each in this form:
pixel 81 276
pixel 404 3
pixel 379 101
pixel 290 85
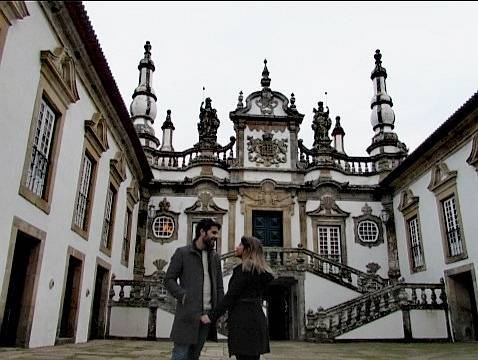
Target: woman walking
pixel 248 334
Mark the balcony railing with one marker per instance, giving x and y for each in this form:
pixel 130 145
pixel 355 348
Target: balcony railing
pixel 222 156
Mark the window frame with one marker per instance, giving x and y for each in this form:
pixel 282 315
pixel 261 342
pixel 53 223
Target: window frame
pixel 57 87
pixel 443 184
pixel 84 231
pixel 95 144
pixel 126 244
pixel 409 207
pixel 107 248
pixel 332 221
pixel 329 241
pixel 117 177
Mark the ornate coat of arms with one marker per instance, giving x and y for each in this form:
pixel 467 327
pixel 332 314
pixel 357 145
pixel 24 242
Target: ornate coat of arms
pixel 267 151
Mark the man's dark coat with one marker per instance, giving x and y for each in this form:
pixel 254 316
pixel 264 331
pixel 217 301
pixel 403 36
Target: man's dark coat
pixel 186 265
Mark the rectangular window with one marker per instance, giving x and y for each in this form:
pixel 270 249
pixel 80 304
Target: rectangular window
pixel 329 242
pixel 42 141
pixel 84 193
pixel 455 244
pixel 415 243
pixel 126 237
pixel 109 218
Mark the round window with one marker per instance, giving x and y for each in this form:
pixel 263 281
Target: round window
pixel 368 231
pixel 163 227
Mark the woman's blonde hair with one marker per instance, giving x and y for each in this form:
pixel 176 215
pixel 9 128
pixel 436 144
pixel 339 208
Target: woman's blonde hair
pixel 253 256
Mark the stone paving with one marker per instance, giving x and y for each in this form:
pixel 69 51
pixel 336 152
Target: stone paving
pixel 287 350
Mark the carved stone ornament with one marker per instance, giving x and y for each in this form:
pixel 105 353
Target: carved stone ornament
pixel 328 207
pixel 266 103
pixel 321 126
pixel 473 158
pixel 164 223
pixel 407 201
pixel 205 204
pixel 132 193
pixel 13 10
pixel 62 68
pixel 208 124
pixel 267 151
pixel 159 272
pixel 96 131
pixel 368 228
pixel 118 167
pixel 441 176
pixel 268 196
pixel 372 267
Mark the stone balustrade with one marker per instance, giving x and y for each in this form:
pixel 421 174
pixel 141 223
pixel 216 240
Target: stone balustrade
pixel 300 259
pixel 323 325
pixel 222 156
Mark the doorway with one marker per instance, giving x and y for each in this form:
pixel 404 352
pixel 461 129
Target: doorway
pixel 267 227
pixel 282 309
pixel 20 301
pixel 463 310
pixel 100 302
pixel 71 298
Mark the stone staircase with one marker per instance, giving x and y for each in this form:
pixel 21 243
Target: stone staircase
pixel 328 324
pixel 379 297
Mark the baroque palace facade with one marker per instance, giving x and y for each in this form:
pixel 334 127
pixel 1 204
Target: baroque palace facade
pixel 379 247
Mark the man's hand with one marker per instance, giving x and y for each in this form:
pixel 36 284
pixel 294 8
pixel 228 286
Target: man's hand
pixel 205 319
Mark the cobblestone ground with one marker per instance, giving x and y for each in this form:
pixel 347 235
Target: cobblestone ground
pixel 160 350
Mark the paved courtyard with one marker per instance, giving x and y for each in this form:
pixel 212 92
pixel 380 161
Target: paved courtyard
pixel 160 350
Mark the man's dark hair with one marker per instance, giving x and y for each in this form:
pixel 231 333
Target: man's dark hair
pixel 205 224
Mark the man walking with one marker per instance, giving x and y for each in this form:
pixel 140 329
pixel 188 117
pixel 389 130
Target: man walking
pixel 200 289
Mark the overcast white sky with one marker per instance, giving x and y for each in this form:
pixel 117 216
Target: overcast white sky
pixel 429 50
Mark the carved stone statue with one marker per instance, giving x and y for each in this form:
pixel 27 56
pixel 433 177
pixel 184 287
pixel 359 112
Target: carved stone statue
pixel 208 124
pixel 321 126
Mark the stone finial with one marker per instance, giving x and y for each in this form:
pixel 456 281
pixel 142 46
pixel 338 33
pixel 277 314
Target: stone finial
pixel 292 102
pixel 338 130
pixel 378 57
pixel 265 81
pixel 240 104
pixel 366 209
pixel 168 124
pixel 147 49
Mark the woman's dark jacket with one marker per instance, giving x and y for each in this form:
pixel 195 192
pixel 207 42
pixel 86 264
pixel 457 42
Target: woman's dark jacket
pixel 186 265
pixel 247 325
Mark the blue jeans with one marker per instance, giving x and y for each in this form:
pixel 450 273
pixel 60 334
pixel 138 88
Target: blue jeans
pixel 191 351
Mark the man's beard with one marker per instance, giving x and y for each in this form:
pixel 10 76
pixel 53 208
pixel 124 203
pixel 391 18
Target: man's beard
pixel 209 243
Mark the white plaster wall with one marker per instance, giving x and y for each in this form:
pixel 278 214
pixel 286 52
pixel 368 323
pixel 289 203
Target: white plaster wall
pixel 320 292
pixel 220 173
pixel 20 72
pixel 258 176
pixel 164 323
pixel 467 182
pixel 129 322
pixel 277 135
pixel 388 327
pixel 358 256
pixel 428 324
pixel 176 175
pixel 340 177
